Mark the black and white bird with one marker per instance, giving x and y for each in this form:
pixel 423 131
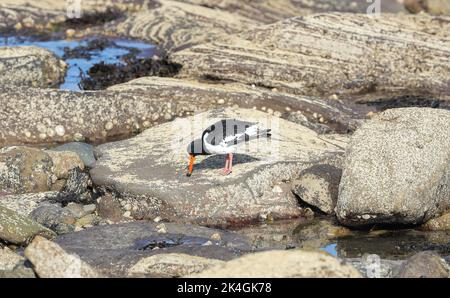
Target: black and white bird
pixel 223 137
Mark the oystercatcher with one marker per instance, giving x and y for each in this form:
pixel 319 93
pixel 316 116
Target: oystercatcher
pixel 223 137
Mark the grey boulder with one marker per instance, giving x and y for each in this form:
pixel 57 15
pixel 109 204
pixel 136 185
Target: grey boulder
pixel 151 168
pixel 397 169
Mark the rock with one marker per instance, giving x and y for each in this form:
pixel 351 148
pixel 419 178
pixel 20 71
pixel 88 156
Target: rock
pixel 441 223
pixel 425 264
pixel 18 229
pixel 12 265
pixel 140 104
pixel 51 261
pixel 318 186
pixel 77 210
pixel 77 187
pixel 172 265
pixel 151 168
pixel 84 151
pixel 9 259
pixel 317 234
pixel 30 66
pixel 24 169
pixel 397 169
pixel 114 249
pixel 299 118
pixel 109 208
pixel 87 220
pixel 437 7
pixel 372 266
pixel 55 218
pixel 287 263
pixel 191 22
pixel 357 54
pixel 273 235
pixel 24 204
pixel 63 162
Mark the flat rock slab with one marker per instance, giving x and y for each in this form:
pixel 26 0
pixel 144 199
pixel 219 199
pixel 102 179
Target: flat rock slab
pixel 152 167
pixel 30 66
pixel 114 249
pixel 331 54
pixel 282 263
pixel 397 169
pixel 43 116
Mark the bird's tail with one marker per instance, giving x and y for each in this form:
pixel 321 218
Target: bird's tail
pixel 258 134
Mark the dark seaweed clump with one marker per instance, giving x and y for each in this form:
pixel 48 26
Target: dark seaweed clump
pixel 103 75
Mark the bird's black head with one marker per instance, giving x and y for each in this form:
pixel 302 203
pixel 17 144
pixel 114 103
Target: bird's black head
pixel 196 148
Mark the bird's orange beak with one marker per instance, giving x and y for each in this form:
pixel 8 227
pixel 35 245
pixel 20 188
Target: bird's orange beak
pixel 191 165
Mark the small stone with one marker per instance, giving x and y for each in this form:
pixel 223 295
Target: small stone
pixel 89 208
pixel 334 97
pixel 70 33
pixel 221 101
pixel 60 130
pixel 127 214
pixel 161 228
pixel 207 243
pixel 18 26
pixel 215 237
pixel 366 216
pixel 277 189
pixel 157 219
pixel 109 125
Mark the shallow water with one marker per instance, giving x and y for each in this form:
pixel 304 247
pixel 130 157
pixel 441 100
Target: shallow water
pixel 78 67
pixel 324 234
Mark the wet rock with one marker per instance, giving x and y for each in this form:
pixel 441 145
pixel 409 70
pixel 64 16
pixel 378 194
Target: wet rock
pixel 24 170
pixel 171 265
pixel 425 264
pixel 109 208
pixel 319 233
pixel 24 204
pixel 63 162
pixel 152 167
pixel 51 261
pixel 372 266
pixel 290 263
pixel 441 223
pixel 114 249
pixel 358 54
pixel 318 186
pixel 30 66
pixel 18 229
pixel 397 169
pixel 437 7
pixel 55 218
pixel 84 151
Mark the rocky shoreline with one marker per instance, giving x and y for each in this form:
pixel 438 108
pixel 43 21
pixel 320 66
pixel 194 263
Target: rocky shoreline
pixel 355 181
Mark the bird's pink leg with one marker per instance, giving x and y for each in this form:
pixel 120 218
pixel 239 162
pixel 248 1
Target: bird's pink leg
pixel 230 163
pixel 226 170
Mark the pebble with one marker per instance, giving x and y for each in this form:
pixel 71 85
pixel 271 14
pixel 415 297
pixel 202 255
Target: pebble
pixel 157 219
pixel 70 33
pixel 60 130
pixel 221 101
pixel 89 208
pixel 109 125
pixel 216 237
pixel 161 229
